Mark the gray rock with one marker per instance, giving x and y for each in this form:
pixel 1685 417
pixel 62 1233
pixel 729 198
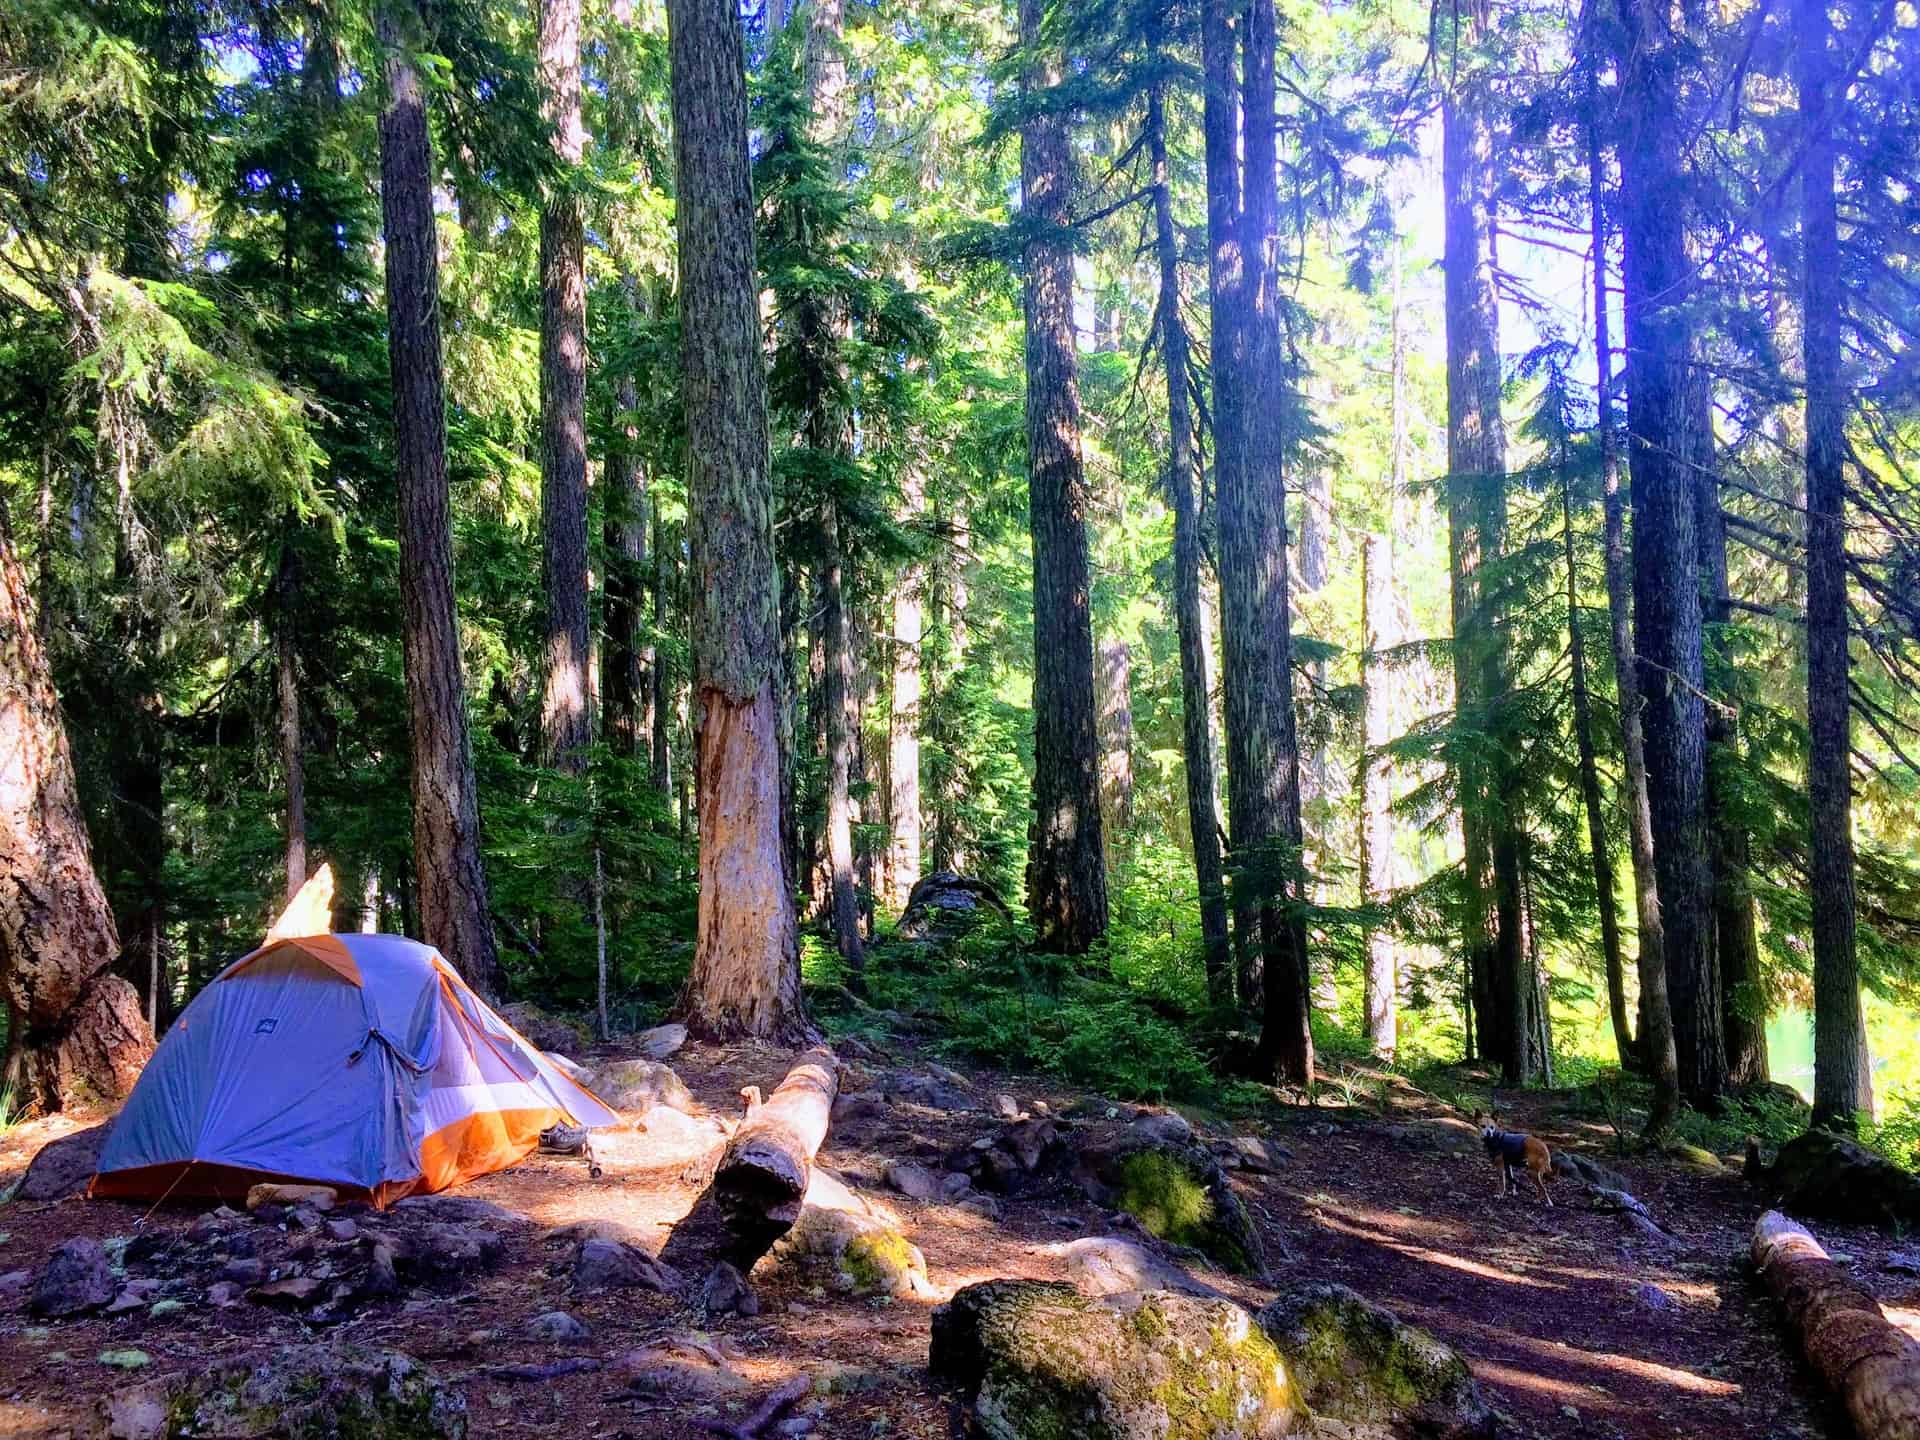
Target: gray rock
pixel 1165 1127
pixel 934 1094
pixel 1360 1364
pixel 725 1292
pixel 559 1327
pixel 611 1265
pixel 61 1168
pixel 985 1206
pixel 640 1085
pixel 342 1229
pixel 1823 1176
pixel 304 1217
pixel 248 1270
pixel 1006 1107
pixel 1639 1227
pixel 954 1184
pixel 1617 1201
pixel 1574 1166
pixel 1652 1297
pixel 916 1182
pixel 1032 1360
pixel 382 1275
pixel 855 1105
pixel 134 1295
pixel 1905 1262
pixel 1260 1157
pixel 137 1413
pixel 546 1031
pixel 1109 1265
pixel 660 1042
pixel 15 1283
pixel 461 1210
pixel 223 1293
pixel 319 1390
pixel 1178 1193
pixel 77 1277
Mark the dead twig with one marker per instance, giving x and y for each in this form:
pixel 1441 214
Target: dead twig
pixel 769 1411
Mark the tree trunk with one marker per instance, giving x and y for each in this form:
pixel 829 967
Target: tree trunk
pixel 1066 869
pixel 627 685
pixel 1477 516
pixel 446 820
pixel 1196 688
pixel 1226 277
pixel 1652 1049
pixel 1263 765
pixel 1666 587
pixel 75 1031
pixel 762 1176
pixel 1113 683
pixel 1380 995
pixel 287 674
pixel 746 970
pixel 1866 1360
pixel 903 722
pixel 1736 958
pixel 1838 1056
pixel 661 705
pixel 836 700
pixel 566 721
pixel 1599 848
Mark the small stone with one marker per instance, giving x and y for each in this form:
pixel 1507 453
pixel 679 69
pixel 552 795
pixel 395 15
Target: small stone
pixel 1905 1262
pixel 342 1229
pixel 794 1426
pixel 224 1212
pixel 725 1291
pixel 77 1277
pixel 916 1182
pixel 1006 1107
pixel 1167 1127
pixel 1652 1297
pixel 985 1206
pixel 382 1274
pixel 133 1295
pixel 244 1272
pixel 950 1077
pixel 161 1308
pixel 305 1217
pixel 137 1413
pixel 607 1265
pixel 558 1327
pixel 954 1184
pixel 126 1359
pixel 1257 1155
pixel 288 1294
pixel 15 1282
pixel 660 1042
pixel 223 1293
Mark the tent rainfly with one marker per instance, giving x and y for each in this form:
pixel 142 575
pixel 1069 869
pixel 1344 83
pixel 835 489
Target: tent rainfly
pixel 358 1061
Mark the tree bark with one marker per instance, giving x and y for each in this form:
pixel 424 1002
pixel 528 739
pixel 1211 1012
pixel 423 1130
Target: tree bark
pixel 1652 1048
pixel 1196 688
pixel 287 676
pixel 746 971
pixel 1263 761
pixel 1066 867
pixel 1873 1366
pixel 836 699
pixel 446 818
pixel 1666 588
pixel 1838 1054
pixel 75 1031
pixel 626 680
pixel 762 1177
pixel 566 721
pixel 1113 676
pixel 903 721
pixel 1380 994
pixel 1476 522
pixel 662 701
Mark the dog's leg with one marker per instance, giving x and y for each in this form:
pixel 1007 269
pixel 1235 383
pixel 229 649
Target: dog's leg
pixel 1540 1184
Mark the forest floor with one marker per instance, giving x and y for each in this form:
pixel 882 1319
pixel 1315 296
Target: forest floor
pixel 1390 1196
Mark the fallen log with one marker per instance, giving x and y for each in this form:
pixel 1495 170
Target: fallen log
pixel 1871 1365
pixel 762 1177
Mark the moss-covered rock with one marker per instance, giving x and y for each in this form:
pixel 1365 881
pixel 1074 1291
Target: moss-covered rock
pixel 640 1085
pixel 854 1250
pixel 1179 1193
pixel 1359 1364
pixel 1035 1360
pixel 316 1392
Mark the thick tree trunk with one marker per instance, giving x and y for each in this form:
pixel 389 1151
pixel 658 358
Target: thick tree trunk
pixel 1066 867
pixel 1839 1059
pixel 566 720
pixel 1476 523
pixel 1263 766
pixel 292 760
pixel 1196 687
pixel 662 702
pixel 1872 1365
pixel 903 722
pixel 75 1031
pixel 1643 1051
pixel 762 1176
pixel 1227 279
pixel 746 969
pixel 1380 994
pixel 1666 588
pixel 446 817
pixel 626 681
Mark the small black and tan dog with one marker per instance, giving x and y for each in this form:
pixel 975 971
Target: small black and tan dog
pixel 1509 1148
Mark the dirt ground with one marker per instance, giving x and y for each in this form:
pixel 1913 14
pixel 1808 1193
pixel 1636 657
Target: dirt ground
pixel 1546 1304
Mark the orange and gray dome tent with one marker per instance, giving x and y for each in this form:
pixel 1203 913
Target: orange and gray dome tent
pixel 358 1061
